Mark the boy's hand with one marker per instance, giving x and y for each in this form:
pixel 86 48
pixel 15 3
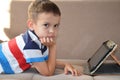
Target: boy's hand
pixel 48 41
pixel 70 68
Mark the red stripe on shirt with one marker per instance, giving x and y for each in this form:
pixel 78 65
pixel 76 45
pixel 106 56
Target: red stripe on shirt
pixel 18 54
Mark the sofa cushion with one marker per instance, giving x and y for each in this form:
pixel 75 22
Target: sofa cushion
pixel 59 75
pixel 22 76
pixel 27 75
pixel 62 77
pixel 107 77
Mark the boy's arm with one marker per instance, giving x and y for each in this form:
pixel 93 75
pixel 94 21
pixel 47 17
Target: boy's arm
pixel 60 64
pixel 47 68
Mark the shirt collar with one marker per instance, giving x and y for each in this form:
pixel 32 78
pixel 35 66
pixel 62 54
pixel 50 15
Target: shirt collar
pixel 34 38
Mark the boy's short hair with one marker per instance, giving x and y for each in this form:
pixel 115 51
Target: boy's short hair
pixel 39 6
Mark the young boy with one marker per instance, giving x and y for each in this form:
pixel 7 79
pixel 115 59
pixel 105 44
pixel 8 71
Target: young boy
pixel 37 46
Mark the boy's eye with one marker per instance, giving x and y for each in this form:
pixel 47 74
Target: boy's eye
pixel 56 26
pixel 46 25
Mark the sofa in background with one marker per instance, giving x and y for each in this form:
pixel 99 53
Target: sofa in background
pixel 85 24
pixel 32 74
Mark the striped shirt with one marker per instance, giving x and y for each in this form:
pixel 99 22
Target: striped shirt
pixel 17 54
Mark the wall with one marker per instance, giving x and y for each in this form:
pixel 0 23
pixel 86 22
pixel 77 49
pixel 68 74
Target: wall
pixel 84 25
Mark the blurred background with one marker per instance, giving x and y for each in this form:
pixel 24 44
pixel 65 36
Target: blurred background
pixel 85 24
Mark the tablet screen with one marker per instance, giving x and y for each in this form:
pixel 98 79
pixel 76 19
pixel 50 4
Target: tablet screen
pixel 98 57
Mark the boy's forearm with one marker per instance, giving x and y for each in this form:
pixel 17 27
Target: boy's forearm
pixel 60 64
pixel 52 59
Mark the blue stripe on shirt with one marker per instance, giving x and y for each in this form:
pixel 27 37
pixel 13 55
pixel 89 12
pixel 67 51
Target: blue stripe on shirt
pixel 37 59
pixel 46 58
pixel 4 62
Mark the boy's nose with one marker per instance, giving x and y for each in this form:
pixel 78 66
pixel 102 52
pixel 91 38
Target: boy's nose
pixel 51 30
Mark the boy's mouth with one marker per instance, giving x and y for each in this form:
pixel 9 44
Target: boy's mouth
pixel 51 36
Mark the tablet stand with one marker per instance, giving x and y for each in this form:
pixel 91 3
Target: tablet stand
pixel 115 57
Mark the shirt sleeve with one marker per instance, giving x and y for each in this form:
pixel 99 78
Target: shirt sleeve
pixel 35 54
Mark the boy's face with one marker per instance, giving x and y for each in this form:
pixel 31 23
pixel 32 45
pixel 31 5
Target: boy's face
pixel 47 25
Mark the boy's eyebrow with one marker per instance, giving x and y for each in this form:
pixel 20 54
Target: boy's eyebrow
pixel 55 24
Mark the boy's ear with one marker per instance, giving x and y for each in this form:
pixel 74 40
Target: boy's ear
pixel 30 24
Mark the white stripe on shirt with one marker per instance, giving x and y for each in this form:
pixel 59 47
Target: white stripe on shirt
pixel 20 43
pixel 1 69
pixel 32 53
pixel 11 59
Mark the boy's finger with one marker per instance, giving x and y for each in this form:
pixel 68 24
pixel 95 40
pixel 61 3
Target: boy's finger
pixel 41 40
pixel 65 71
pixel 48 40
pixel 44 39
pixel 76 73
pixel 51 39
pixel 79 73
pixel 72 72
